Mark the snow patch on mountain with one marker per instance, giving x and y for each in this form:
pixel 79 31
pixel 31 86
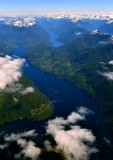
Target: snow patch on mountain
pixel 78 33
pixel 74 18
pixel 108 17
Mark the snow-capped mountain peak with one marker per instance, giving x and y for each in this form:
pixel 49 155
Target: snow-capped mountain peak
pixel 21 22
pixel 95 32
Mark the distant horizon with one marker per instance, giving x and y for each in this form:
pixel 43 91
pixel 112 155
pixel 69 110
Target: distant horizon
pixel 52 13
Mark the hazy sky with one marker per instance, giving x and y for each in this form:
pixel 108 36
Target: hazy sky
pixel 55 5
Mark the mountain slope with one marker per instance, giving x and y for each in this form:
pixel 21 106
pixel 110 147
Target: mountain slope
pixel 27 36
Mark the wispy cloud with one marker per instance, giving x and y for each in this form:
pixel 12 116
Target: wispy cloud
pixel 27 90
pixel 15 137
pixel 84 111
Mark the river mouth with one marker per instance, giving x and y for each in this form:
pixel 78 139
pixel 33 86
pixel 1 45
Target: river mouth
pixel 66 98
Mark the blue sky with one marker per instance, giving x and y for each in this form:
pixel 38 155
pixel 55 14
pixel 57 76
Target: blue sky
pixel 55 5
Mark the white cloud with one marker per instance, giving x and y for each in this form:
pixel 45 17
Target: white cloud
pixel 111 62
pixel 10 70
pixel 47 145
pixel 28 89
pixel 84 111
pixel 3 146
pixel 71 141
pixel 31 151
pixel 21 142
pixel 15 137
pixel 28 148
pixel 71 119
pixel 108 75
